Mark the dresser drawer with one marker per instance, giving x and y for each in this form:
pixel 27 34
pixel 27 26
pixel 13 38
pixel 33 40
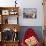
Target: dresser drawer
pixel 10 43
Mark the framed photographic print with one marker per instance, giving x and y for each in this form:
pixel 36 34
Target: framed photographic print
pixel 13 12
pixel 5 12
pixel 29 13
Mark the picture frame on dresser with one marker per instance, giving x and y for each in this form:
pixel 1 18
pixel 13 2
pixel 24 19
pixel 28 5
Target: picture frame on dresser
pixel 5 12
pixel 13 12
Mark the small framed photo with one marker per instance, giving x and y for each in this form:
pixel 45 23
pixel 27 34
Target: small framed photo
pixel 5 12
pixel 13 12
pixel 29 13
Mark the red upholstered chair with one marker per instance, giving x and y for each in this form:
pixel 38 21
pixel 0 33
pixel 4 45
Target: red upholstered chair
pixel 28 34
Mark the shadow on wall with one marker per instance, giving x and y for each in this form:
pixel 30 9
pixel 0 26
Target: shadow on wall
pixel 37 29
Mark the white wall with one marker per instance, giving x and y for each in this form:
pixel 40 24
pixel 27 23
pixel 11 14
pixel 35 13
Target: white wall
pixel 32 4
pixel 27 4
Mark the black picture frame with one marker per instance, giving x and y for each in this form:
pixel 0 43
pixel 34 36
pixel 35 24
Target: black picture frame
pixel 30 13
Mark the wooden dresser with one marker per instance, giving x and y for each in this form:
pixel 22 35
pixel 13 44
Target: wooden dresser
pixel 5 12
